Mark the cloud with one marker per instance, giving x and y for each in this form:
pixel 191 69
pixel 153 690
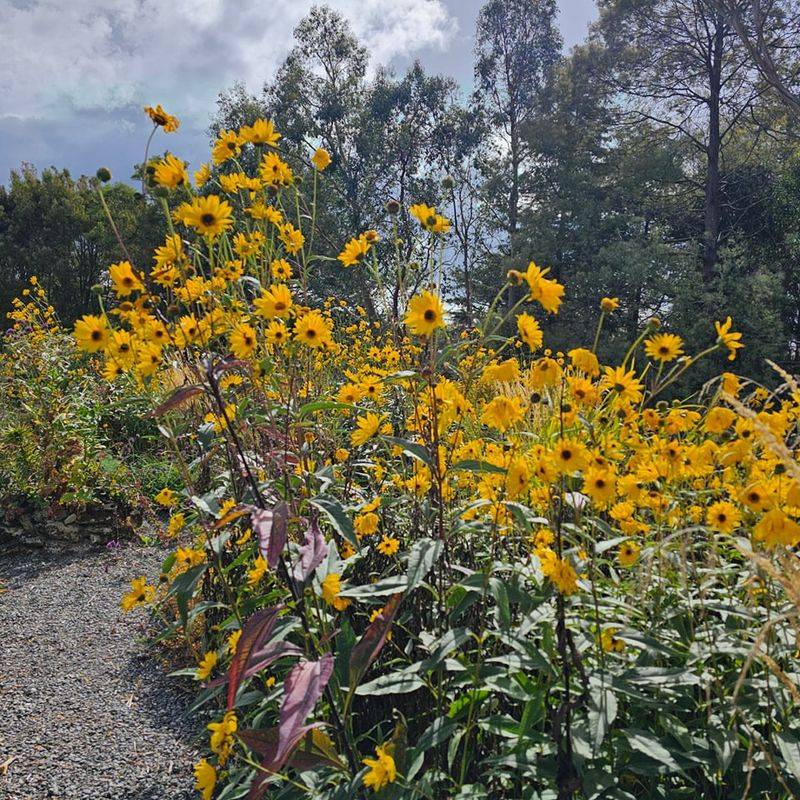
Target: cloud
pixel 61 60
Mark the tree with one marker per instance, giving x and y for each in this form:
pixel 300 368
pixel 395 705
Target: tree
pixel 684 70
pixel 517 47
pixel 54 227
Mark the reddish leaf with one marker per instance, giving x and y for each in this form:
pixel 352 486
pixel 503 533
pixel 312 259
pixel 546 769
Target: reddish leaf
pixel 270 525
pixel 312 553
pixel 255 634
pixel 228 364
pixel 373 640
pixel 178 398
pixel 302 688
pixel 311 752
pixel 259 660
pixel 266 744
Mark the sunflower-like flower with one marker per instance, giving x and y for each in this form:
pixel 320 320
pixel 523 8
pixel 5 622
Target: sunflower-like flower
pixel 425 314
pixel 664 347
pixel 313 330
pixel 208 215
pixel 91 333
pixel 731 340
pixel 171 172
pixel 162 119
pixel 262 131
pixel 274 302
pixel 382 769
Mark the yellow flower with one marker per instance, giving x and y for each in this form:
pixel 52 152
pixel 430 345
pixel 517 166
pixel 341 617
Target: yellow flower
pixel 529 331
pixel 625 384
pixel 366 427
pixel 257 572
pixel 291 237
pixel 91 333
pixel 140 594
pixel 609 641
pixel 262 131
pixel 563 575
pixel 354 251
pixel 331 587
pixel 274 302
pixel 171 172
pixel 227 145
pixel 233 640
pixel 281 269
pixel 504 372
pixel 162 119
pixel 609 304
pixel 425 314
pixel 166 497
pixel 313 330
pixel 728 338
pixel 276 333
pixel 205 777
pixel 585 361
pixel 382 770
pixel 125 279
pixel 429 219
pixel 208 215
pixel 548 292
pixel 206 666
pixel 628 554
pixel 341 454
pixel 274 171
pixel 321 159
pixel 222 732
pixel 176 524
pixel 243 340
pixel 664 347
pixel 569 456
pixel 719 419
pixel 366 523
pixel 503 413
pixel 188 558
pixel 600 485
pixel 202 175
pixel 388 546
pixel 723 516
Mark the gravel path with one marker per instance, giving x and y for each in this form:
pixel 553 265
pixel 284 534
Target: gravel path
pixel 85 712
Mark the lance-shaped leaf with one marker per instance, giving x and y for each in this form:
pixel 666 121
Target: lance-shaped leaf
pixel 255 634
pixel 260 659
pixel 312 553
pixel 178 398
pixel 373 640
pixel 268 745
pixel 315 748
pixel 270 525
pixel 302 688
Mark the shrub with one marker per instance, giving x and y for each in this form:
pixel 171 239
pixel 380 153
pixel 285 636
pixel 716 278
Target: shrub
pixel 418 561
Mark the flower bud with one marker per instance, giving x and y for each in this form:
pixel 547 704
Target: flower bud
pixel 104 174
pixel 448 182
pixel 97 290
pixel 392 207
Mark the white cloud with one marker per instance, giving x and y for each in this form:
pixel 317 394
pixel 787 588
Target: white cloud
pixel 60 58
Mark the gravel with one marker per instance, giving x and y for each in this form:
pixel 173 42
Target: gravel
pixel 86 712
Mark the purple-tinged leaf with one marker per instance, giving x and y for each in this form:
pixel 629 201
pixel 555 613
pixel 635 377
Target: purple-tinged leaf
pixel 255 634
pixel 315 749
pixel 270 525
pixel 373 640
pixel 302 688
pixel 259 660
pixel 312 553
pixel 178 398
pixel 267 744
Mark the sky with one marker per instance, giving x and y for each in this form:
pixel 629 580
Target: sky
pixel 75 75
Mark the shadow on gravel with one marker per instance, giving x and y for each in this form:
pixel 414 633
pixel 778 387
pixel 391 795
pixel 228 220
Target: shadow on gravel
pixel 18 566
pixel 163 700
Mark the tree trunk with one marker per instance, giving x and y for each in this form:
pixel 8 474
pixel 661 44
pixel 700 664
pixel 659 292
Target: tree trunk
pixel 713 213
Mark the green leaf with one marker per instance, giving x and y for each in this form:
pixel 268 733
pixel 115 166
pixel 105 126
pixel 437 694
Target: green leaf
pixel 473 465
pixel 418 451
pixel 439 731
pixel 394 683
pixel 602 713
pixel 322 405
pixel 790 750
pixel 424 554
pixel 390 585
pixel 648 745
pixel 337 516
